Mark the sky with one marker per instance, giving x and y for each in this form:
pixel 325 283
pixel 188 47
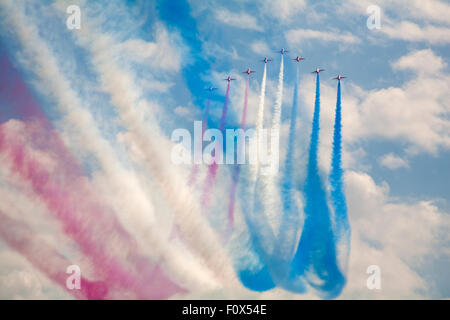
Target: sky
pixel 93 110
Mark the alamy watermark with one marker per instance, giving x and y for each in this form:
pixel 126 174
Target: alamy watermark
pixel 373 282
pixel 74 19
pixel 374 19
pixel 74 280
pixel 241 147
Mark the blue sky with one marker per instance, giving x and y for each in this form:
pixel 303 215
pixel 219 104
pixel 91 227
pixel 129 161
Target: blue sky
pixel 367 63
pixel 396 111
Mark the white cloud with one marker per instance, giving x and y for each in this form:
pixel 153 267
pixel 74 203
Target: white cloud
pixel 155 85
pixel 260 47
pixel 182 111
pixel 410 31
pixel 408 20
pixel 165 53
pixel 398 237
pixel 299 36
pixel 424 62
pixel 19 279
pixel 416 112
pixel 211 48
pixel 393 162
pixel 283 10
pixel 238 20
pixel 430 11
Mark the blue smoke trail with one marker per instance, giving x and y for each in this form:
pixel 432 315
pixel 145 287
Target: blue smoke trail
pixel 254 272
pixel 315 259
pixel 342 226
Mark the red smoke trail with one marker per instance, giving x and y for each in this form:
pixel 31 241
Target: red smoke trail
pixel 212 172
pixel 236 171
pixel 18 103
pixel 194 171
pixel 70 198
pixel 45 258
pixel 67 194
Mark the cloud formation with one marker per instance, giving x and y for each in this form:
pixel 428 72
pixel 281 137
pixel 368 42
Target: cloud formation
pixel 299 36
pixel 391 161
pixel 238 20
pixel 409 31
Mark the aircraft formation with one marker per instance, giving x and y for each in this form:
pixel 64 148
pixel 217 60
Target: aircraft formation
pixel 267 60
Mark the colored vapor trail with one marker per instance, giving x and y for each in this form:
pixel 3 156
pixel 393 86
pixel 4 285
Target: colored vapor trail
pixel 65 190
pixel 70 199
pixel 315 258
pixel 236 169
pixel 254 274
pixel 342 226
pixel 290 222
pixel 195 168
pixel 276 118
pixel 259 127
pixel 263 217
pixel 126 93
pixel 218 153
pixel 268 181
pixel 17 234
pixel 78 122
pixel 45 258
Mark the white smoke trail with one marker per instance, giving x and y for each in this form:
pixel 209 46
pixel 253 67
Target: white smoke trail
pixel 133 207
pixel 250 189
pixel 267 181
pixel 126 96
pixel 21 217
pixel 260 121
pixel 262 96
pixel 254 235
pixel 261 187
pixel 276 120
